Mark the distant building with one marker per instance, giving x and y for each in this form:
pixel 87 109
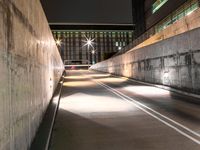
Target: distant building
pixel 152 16
pixel 108 40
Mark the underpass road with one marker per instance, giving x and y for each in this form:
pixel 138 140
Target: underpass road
pixel 98 111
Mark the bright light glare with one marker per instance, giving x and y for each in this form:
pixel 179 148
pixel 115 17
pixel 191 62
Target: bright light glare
pixel 113 80
pixel 89 42
pixel 189 13
pixel 84 103
pixel 78 84
pixel 147 90
pixel 119 48
pixel 99 75
pixel 93 51
pixel 58 42
pixel 76 77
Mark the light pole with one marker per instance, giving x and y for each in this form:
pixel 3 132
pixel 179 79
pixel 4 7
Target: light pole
pixel 89 42
pixel 58 42
pixel 93 56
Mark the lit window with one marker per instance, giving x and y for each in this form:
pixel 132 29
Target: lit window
pixel 124 43
pixel 182 11
pixel 117 44
pixel 192 8
pixel 157 5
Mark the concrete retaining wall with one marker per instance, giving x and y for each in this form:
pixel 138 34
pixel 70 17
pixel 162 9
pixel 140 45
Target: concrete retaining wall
pixel 174 62
pixel 30 68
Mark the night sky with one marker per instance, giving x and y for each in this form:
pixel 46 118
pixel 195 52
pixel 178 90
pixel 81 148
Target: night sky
pixel 88 11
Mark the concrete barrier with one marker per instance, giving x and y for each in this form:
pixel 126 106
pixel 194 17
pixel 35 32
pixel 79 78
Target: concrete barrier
pixel 30 68
pixel 173 62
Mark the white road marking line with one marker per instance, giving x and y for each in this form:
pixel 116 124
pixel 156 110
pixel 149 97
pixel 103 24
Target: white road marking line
pixel 142 107
pixel 167 118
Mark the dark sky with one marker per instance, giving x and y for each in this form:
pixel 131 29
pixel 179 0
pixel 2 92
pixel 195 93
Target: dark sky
pixel 88 11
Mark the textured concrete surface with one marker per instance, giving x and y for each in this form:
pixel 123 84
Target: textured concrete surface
pixel 92 117
pixel 30 68
pixel 173 62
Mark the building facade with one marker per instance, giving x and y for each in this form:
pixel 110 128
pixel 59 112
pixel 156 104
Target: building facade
pixel 158 14
pixel 106 41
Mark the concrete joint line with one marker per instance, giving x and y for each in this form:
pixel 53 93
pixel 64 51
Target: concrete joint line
pixel 183 130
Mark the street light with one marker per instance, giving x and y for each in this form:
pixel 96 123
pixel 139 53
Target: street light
pixel 58 42
pixel 89 42
pixel 93 51
pixel 59 46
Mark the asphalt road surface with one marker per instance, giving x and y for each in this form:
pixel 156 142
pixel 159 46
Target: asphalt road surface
pixel 98 111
